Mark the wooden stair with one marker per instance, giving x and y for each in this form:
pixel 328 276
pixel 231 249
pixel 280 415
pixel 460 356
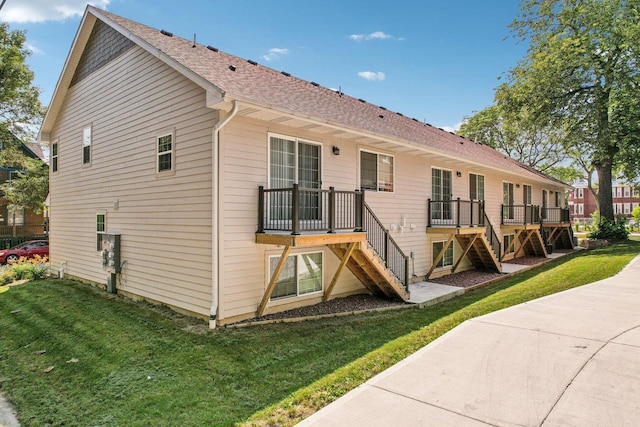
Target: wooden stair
pixel 480 253
pixel 371 270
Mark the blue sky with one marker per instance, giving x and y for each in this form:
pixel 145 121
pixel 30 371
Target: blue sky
pixel 436 61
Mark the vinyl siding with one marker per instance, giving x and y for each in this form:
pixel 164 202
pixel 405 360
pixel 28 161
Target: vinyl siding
pixel 165 220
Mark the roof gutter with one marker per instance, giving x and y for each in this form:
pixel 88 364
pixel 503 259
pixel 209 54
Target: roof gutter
pixel 216 236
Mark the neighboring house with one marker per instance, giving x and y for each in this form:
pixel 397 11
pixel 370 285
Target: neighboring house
pixel 582 204
pixel 240 190
pixel 19 224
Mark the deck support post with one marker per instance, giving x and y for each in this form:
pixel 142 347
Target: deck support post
pixel 512 245
pixel 440 255
pixel 465 252
pixel 529 234
pixel 274 280
pixel 343 263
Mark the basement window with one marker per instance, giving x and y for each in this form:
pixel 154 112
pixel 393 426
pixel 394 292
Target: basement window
pixel 302 274
pixel 507 242
pixel 447 258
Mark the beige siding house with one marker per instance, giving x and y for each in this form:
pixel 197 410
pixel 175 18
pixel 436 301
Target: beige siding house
pixel 239 190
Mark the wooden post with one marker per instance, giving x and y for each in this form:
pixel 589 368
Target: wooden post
pixel 511 245
pixel 464 253
pixel 295 210
pixel 343 263
pixel 274 280
pixel 261 209
pixel 529 234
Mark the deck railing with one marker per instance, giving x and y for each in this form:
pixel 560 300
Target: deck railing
pixel 555 215
pixel 297 210
pixel 385 246
pixel 520 214
pixel 455 213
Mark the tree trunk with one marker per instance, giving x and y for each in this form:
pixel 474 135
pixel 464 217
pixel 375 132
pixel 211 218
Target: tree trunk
pixel 605 191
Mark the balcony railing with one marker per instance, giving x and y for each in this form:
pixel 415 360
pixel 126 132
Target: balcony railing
pixel 455 213
pixel 298 210
pixel 555 215
pixel 533 214
pixel 520 214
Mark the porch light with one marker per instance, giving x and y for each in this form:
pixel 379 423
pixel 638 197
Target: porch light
pixel 335 150
pixel 458 174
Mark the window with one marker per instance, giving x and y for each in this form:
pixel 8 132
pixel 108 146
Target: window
pixel 526 194
pixel 627 191
pixel 476 186
pixel 581 209
pixel 441 193
pixel 507 244
pixel 580 193
pixel 165 153
pixel 86 145
pixel 627 208
pixel 618 191
pixel 507 200
pixel 447 258
pixel 618 207
pixel 636 192
pixel 302 274
pixel 101 228
pixel 558 199
pixel 54 157
pixel 376 171
pixel 15 215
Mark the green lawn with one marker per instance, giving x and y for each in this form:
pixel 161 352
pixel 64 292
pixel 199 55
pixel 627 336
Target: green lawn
pixel 142 365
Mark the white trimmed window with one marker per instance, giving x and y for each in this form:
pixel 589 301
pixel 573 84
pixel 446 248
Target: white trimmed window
pixel 476 186
pixel 86 145
pixel 581 209
pixel 377 171
pixel 447 258
pixel 627 208
pixel 580 193
pixel 507 244
pixel 101 228
pixel 165 147
pixel 526 194
pixel 54 156
pixel 301 275
pixel 627 191
pixel 618 191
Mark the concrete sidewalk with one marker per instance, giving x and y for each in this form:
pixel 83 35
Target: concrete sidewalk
pixel 570 359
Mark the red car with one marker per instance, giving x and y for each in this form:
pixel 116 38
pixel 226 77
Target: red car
pixel 26 249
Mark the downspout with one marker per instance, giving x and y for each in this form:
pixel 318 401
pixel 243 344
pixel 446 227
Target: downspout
pixel 215 218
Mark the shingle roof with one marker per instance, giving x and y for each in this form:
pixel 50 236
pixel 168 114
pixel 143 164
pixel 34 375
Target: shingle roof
pixel 240 79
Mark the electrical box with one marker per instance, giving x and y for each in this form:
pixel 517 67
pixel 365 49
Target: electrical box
pixel 111 253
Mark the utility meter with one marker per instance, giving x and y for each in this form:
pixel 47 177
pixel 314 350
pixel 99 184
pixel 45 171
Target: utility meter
pixel 111 253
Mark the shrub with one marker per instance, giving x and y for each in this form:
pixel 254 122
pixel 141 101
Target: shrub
pixel 610 230
pixel 26 269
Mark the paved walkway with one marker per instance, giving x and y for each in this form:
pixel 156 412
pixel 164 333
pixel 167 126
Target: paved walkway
pixel 570 359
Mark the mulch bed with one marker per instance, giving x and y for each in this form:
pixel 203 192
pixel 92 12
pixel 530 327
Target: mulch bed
pixel 335 306
pixel 466 279
pixel 526 260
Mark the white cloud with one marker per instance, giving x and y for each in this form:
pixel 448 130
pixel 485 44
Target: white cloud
pixel 372 76
pixel 23 11
pixel 376 35
pixel 33 49
pixel 453 129
pixel 275 53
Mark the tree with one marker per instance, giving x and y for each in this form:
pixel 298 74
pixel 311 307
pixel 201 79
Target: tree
pixel 581 74
pixel 20 112
pixel 516 135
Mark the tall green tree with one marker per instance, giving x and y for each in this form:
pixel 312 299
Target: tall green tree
pixel 20 114
pixel 518 136
pixel 581 74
